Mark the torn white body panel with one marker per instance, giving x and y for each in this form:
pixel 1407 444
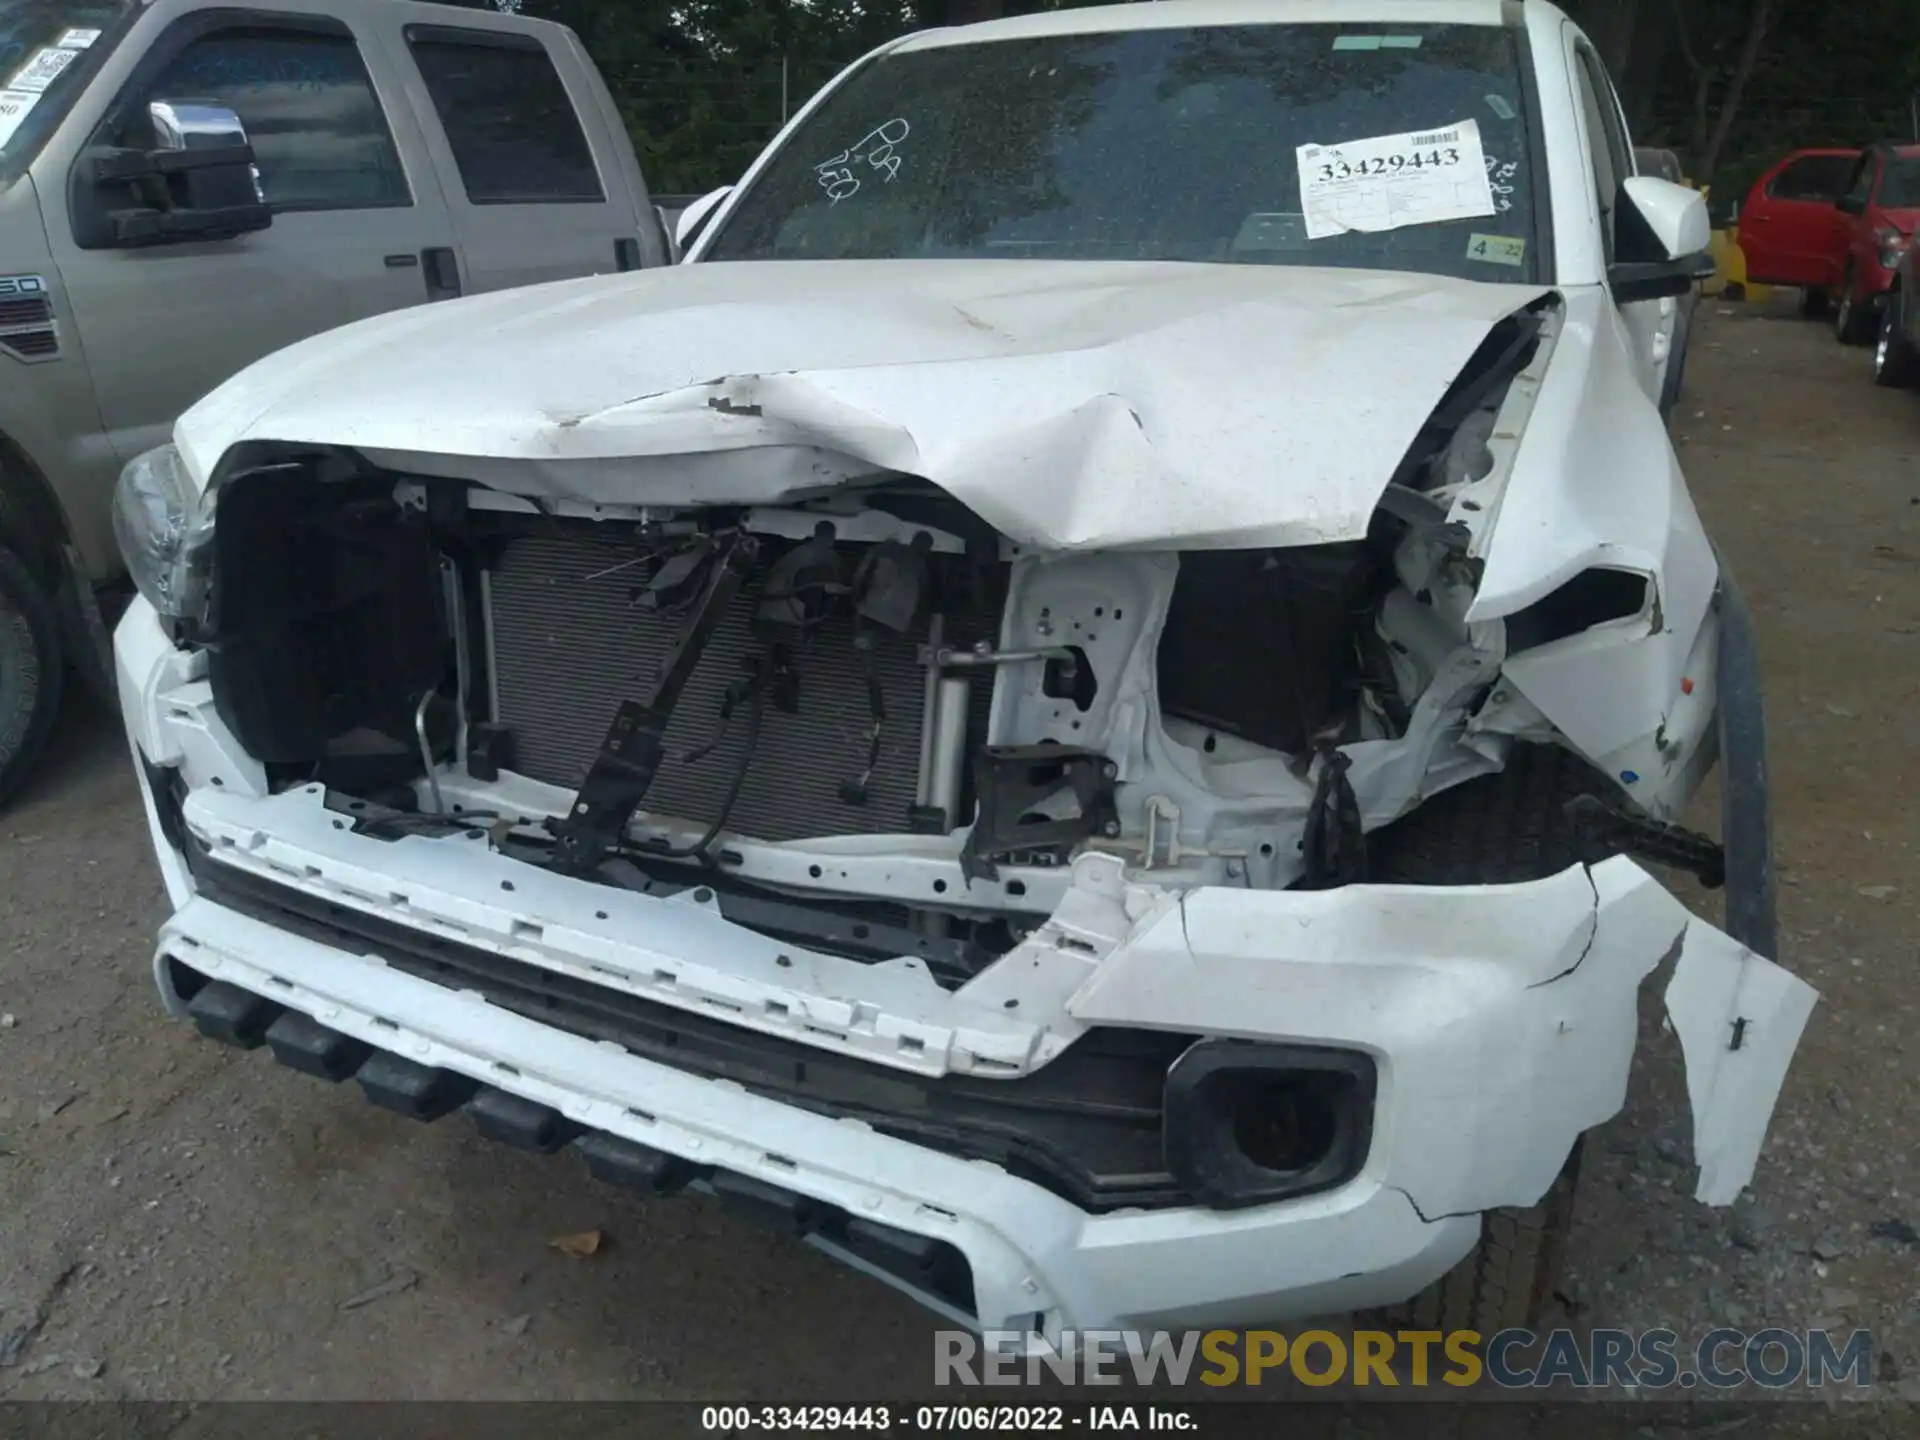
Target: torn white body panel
pixel 1506 1013
pixel 1593 483
pixel 1739 1018
pixel 1071 405
pixel 1500 1020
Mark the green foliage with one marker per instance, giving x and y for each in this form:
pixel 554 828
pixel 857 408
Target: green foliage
pixel 1825 74
pixel 703 84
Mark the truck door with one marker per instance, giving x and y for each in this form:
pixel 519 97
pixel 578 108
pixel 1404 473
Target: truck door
pixel 508 114
pixel 359 224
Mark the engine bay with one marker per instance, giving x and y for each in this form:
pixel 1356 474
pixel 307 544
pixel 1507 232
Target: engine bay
pixel 862 716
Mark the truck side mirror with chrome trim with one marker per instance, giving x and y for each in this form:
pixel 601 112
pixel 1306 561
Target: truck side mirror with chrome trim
pixel 1662 239
pixel 198 182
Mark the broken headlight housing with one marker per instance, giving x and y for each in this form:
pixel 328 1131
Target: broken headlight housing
pixel 165 530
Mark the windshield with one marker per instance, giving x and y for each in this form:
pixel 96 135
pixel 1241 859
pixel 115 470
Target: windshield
pixel 1399 147
pixel 47 50
pixel 1900 186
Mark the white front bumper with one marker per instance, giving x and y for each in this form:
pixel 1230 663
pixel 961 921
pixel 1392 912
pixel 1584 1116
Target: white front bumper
pixel 1501 1020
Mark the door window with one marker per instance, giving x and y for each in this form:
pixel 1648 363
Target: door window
pixel 1861 186
pixel 318 132
pixel 1812 177
pixel 1606 140
pixel 507 117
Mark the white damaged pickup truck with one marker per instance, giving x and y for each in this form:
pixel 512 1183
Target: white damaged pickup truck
pixel 1069 710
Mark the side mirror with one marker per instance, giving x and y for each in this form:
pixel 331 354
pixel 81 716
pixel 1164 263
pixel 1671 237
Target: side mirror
pixel 694 218
pixel 199 182
pixel 1851 205
pixel 191 125
pixel 1662 240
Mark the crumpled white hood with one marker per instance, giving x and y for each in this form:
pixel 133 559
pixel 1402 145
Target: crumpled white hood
pixel 1073 405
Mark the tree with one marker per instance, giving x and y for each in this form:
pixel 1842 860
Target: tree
pixel 960 12
pixel 1709 144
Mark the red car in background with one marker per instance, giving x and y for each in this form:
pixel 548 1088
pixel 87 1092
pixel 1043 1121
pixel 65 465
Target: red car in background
pixel 1881 208
pixel 1791 231
pixel 1845 248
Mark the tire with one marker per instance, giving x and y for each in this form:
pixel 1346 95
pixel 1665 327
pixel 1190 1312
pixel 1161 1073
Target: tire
pixel 1852 320
pixel 31 671
pixel 1508 1280
pixel 1896 364
pixel 1507 827
pixel 1510 826
pixel 1814 303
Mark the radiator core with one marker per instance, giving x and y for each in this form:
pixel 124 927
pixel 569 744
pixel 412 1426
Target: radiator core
pixel 570 645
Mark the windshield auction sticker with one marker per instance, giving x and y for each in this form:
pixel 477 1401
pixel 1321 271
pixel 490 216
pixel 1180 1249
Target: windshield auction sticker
pixel 14 105
pixel 1388 181
pixel 43 69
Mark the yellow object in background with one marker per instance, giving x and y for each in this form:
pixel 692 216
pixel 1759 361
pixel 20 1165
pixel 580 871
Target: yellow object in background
pixel 1729 262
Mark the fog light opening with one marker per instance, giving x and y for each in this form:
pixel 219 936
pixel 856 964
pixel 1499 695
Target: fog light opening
pixel 1249 1123
pixel 1280 1122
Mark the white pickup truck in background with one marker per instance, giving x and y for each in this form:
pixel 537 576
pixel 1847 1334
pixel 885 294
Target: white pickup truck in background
pixel 186 188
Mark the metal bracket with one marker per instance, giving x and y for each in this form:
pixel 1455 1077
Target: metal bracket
pixel 1602 831
pixel 1163 833
pixel 983 653
pixel 1011 782
pixel 635 743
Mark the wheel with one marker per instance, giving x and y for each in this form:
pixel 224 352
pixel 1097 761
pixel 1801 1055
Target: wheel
pixel 1896 364
pixel 1814 303
pixel 1511 826
pixel 1852 319
pixel 31 670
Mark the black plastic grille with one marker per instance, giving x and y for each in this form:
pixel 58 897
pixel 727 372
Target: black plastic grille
pixel 1087 1126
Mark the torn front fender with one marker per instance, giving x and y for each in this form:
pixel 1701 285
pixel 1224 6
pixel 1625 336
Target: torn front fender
pixel 1502 1019
pixel 1739 1019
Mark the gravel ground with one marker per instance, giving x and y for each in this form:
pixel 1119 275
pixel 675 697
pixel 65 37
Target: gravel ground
pixel 182 1222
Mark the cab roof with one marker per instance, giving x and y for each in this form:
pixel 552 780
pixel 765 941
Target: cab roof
pixel 1184 14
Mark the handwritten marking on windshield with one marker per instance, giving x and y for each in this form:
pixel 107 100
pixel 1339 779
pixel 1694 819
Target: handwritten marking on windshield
pixel 1499 175
pixel 877 152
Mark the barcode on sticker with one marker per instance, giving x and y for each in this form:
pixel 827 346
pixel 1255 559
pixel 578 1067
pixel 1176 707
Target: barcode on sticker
pixel 1444 137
